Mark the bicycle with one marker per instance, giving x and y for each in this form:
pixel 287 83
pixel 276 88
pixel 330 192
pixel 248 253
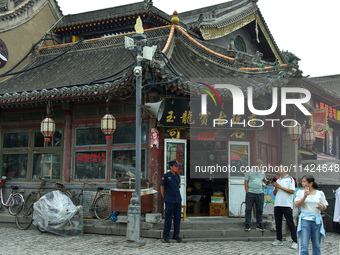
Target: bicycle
pixel 14 201
pixel 101 204
pixel 24 218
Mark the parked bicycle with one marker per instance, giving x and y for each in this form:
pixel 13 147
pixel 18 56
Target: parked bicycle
pixel 14 201
pixel 24 218
pixel 101 203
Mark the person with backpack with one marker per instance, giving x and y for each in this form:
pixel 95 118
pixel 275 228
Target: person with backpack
pixel 284 189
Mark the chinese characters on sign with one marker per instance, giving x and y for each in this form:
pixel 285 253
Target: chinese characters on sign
pixel 91 157
pixel 319 120
pixel 185 112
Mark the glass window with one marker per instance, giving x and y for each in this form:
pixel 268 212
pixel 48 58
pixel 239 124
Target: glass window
pixel 124 163
pixel 16 140
pixel 39 139
pixel 239 44
pixel 90 165
pixel 46 165
pixel 126 134
pixel 238 156
pixel 90 136
pixel 14 165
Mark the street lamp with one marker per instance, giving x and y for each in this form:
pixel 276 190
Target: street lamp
pixel 294 132
pixel 134 209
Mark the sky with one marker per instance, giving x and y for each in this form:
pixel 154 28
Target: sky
pixel 306 28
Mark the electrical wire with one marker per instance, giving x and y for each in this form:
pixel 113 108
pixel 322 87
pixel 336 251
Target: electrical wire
pixel 41 64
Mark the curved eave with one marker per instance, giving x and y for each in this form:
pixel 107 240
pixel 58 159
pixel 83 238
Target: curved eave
pixel 188 55
pixel 111 16
pixel 320 92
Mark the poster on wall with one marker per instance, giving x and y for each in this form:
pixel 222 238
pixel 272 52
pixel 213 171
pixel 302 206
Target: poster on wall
pixel 319 120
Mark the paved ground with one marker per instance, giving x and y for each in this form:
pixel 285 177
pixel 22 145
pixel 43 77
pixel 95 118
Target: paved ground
pixel 32 242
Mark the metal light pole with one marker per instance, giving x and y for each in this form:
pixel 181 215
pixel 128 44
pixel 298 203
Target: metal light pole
pixel 134 211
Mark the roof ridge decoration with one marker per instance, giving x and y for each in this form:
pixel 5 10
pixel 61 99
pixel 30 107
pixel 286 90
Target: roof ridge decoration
pixel 100 42
pixel 238 22
pixel 148 4
pixel 218 29
pixel 171 36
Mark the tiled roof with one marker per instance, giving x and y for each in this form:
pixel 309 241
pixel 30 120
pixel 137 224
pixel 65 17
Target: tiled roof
pixel 110 13
pixel 330 83
pixel 218 15
pixel 79 69
pixel 326 87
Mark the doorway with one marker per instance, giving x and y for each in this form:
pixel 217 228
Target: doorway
pixel 201 192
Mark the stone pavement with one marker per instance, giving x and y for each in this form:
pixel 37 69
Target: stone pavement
pixel 32 242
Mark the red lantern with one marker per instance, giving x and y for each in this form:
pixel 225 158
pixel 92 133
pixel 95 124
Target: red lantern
pixel 108 125
pixel 47 128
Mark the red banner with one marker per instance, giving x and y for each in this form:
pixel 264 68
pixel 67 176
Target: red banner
pixel 206 136
pixel 319 120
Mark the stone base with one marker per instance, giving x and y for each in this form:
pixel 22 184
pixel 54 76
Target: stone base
pixel 153 217
pixel 132 244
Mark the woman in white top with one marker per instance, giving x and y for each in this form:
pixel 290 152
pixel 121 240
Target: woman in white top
pixel 311 201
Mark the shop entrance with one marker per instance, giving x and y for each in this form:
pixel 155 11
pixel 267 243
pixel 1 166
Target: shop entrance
pixel 207 196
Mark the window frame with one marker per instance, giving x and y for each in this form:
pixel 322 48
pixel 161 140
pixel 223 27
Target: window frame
pixel 242 41
pixel 89 151
pixel 87 145
pixel 14 152
pixel 46 152
pixel 14 132
pixel 128 149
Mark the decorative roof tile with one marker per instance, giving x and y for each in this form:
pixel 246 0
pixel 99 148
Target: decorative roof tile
pixel 95 67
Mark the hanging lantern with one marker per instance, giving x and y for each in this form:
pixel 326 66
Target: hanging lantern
pixel 108 125
pixel 294 132
pixel 308 136
pixel 47 127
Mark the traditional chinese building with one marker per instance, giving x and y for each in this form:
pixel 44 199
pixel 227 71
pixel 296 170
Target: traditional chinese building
pixel 86 63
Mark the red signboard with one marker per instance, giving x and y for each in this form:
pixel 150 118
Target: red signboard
pixel 319 120
pixel 210 136
pixel 332 113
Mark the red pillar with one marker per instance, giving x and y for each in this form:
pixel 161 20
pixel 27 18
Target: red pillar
pixel 68 139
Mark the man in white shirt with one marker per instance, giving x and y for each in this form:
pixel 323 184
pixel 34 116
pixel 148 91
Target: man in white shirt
pixel 284 191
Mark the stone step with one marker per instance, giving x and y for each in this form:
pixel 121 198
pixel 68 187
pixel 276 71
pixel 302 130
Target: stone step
pixel 193 229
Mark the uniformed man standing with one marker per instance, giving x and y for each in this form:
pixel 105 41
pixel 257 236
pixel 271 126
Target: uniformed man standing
pixel 170 185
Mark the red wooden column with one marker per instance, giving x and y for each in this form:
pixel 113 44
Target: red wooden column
pixel 68 140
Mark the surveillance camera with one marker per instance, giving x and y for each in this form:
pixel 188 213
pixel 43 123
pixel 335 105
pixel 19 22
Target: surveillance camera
pixel 138 71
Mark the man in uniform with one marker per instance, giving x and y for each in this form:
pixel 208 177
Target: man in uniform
pixel 171 196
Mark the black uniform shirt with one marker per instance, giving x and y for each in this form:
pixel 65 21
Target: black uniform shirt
pixel 171 183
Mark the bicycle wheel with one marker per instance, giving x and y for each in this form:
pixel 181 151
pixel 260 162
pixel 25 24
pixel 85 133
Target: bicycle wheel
pixel 77 199
pixel 15 204
pixel 67 193
pixel 102 207
pixel 24 218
